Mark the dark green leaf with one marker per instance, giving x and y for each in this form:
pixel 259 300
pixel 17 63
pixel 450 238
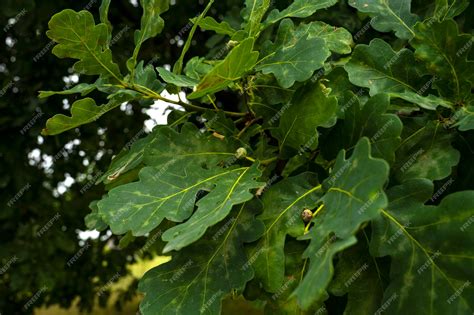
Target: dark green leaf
pixel 431 250
pixel 299 9
pixel 377 67
pixel 389 15
pixel 197 278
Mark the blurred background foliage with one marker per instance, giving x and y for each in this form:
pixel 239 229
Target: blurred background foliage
pixel 48 181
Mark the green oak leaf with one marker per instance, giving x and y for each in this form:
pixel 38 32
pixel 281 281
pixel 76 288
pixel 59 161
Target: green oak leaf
pixel 299 9
pixel 283 205
pixel 170 192
pixel 445 52
pixel 448 9
pixel 253 14
pixel 82 88
pixel 389 15
pixel 356 274
pixel 214 207
pixel 369 120
pixel 190 146
pixel 321 253
pixel 210 24
pixel 145 76
pixel 353 195
pixel 82 112
pixel 198 277
pixel 426 153
pixel 130 157
pixel 93 220
pixel 294 55
pixel 378 67
pixel 281 302
pixel 151 25
pixel 241 59
pixel 104 17
pixel 196 68
pixel 176 79
pixel 220 123
pixel 338 81
pixel 432 253
pixel 464 118
pixel 87 43
pixel 338 39
pixel 310 108
pixel 354 191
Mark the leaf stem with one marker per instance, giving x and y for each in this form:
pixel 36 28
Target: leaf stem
pixel 178 66
pixel 152 94
pixel 268 161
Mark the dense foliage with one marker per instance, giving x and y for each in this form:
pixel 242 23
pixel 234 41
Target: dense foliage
pixel 38 224
pixel 321 163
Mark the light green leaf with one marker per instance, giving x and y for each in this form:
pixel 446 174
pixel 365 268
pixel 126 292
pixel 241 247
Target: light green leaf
pixel 299 9
pixel 104 17
pixel 170 192
pixel 432 253
pixel 426 153
pixel 82 112
pixel 176 79
pixel 310 108
pixel 448 9
pixel 445 53
pixel 214 207
pixel 283 204
pixel 338 39
pixel 198 277
pixel 87 43
pixel 210 24
pixel 294 55
pixel 151 25
pixel 145 76
pixel 241 59
pixel 196 68
pixel 82 88
pixel 464 118
pixel 382 70
pixel 389 15
pixel 353 195
pixel 253 14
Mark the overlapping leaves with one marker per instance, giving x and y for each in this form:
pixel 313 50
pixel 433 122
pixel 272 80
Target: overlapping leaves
pixel 378 67
pixel 428 274
pixel 305 105
pixel 197 278
pixel 353 195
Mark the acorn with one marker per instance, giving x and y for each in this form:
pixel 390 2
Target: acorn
pixel 307 215
pixel 241 152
